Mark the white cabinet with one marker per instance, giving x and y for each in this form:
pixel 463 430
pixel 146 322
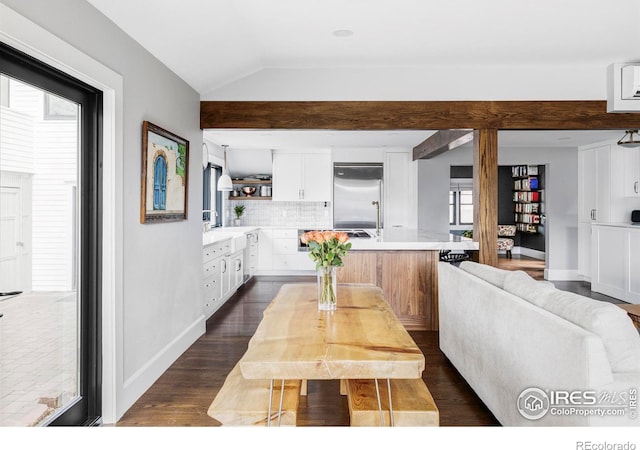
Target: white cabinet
pixel 278 252
pixel 216 278
pixel 236 271
pixel 265 250
pixel 594 184
pixel 212 286
pixel 608 264
pixel 225 277
pixel 251 255
pixel 615 262
pixel 286 256
pixel 631 175
pixel 584 250
pixel 633 267
pixel 600 196
pixel 397 190
pixel 302 177
pixel 593 187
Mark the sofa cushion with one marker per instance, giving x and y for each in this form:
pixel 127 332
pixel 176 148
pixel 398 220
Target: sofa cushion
pixel 489 274
pixel 520 284
pixel 620 338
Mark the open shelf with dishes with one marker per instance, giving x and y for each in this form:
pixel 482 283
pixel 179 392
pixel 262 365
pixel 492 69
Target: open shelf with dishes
pixel 251 189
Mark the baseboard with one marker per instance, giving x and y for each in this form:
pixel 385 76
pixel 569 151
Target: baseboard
pixel 562 275
pixel 531 253
pixel 143 379
pixel 281 273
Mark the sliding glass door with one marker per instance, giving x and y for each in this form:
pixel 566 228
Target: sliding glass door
pixel 49 245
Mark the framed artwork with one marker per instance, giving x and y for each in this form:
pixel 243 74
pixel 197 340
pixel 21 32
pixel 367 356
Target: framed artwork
pixel 165 175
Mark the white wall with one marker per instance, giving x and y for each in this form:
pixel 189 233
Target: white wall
pixel 160 306
pixel 561 198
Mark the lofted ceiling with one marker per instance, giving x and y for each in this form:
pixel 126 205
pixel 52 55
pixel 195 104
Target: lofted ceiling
pixel 214 43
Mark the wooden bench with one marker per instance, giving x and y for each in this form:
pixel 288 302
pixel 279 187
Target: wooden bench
pixel 246 402
pixel 413 405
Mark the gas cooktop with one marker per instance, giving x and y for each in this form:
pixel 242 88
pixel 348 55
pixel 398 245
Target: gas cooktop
pixel 357 233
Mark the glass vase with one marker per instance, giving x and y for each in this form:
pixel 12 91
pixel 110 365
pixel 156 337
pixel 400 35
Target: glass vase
pixel 327 288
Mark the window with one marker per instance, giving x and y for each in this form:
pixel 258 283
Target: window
pixel 212 198
pixel 461 202
pixel 465 202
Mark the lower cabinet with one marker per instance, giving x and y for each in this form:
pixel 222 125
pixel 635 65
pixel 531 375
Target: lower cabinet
pixel 220 277
pixel 236 271
pixel 278 253
pixel 408 280
pixel 615 262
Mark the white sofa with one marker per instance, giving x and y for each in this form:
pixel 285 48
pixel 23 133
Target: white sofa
pixel 507 333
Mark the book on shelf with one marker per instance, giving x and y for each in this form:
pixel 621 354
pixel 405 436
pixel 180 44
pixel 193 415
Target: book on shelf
pixel 526 184
pixel 530 208
pixel 524 171
pixel 527 218
pixel 527 227
pixel 526 196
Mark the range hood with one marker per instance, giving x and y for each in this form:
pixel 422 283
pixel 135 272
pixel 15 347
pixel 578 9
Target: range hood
pixel 244 163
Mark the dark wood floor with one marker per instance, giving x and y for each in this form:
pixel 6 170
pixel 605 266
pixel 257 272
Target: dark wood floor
pixel 182 395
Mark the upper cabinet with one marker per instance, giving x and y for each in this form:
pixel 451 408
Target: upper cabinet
pixel 302 177
pixel 594 184
pixel 631 175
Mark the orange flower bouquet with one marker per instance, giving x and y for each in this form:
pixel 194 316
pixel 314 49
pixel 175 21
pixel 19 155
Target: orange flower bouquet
pixel 327 249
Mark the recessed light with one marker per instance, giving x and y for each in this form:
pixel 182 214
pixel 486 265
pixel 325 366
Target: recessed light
pixel 343 33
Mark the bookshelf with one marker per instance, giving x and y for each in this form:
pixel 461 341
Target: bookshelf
pixel 527 198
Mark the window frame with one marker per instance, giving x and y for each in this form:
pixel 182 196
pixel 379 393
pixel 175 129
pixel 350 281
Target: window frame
pixel 456 188
pixel 210 192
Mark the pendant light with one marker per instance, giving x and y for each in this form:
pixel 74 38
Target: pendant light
pixel 630 141
pixel 224 182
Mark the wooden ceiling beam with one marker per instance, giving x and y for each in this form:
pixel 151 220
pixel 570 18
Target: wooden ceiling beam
pixel 415 115
pixel 441 142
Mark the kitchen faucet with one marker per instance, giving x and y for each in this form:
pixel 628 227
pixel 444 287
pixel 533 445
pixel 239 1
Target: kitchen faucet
pixel 206 225
pixel 377 205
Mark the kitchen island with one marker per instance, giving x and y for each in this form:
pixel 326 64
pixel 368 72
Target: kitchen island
pixel 404 263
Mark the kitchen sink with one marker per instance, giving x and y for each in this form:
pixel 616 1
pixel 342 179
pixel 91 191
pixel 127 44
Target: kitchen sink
pixel 238 239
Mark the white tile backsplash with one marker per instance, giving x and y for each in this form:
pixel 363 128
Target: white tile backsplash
pixel 266 213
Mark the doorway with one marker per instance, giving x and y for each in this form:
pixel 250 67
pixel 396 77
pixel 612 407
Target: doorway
pixel 50 215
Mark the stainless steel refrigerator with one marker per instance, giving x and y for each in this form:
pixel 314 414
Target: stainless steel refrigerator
pixel 356 189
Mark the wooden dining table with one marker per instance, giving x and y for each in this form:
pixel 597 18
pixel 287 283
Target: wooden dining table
pixel 361 339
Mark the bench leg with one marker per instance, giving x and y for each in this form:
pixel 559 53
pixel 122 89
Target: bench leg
pixel 380 403
pixel 271 401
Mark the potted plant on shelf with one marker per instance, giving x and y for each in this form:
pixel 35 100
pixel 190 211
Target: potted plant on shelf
pixel 239 211
pixel 327 249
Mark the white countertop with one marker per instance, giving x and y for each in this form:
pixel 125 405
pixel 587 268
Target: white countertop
pixel 635 226
pixel 221 233
pixel 391 239
pixel 413 239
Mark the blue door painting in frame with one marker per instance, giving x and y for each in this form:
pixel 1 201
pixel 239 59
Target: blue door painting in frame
pixel 165 162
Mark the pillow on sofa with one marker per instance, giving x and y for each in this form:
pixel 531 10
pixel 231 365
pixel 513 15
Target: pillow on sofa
pixel 520 284
pixel 489 274
pixel 620 338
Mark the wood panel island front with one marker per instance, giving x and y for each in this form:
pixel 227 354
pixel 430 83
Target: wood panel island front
pixel 404 264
